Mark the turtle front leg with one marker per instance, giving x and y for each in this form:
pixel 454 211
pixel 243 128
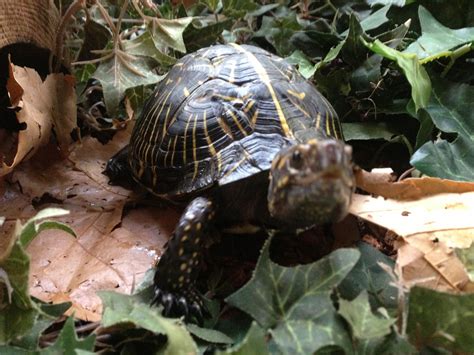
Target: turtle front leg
pixel 179 266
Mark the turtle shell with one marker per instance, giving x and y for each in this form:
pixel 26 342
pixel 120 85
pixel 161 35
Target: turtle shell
pixel 221 115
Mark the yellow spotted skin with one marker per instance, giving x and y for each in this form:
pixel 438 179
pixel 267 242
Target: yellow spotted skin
pixel 221 115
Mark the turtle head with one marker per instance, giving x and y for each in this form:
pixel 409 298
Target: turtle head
pixel 311 183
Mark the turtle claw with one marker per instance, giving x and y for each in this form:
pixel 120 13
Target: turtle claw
pixel 189 305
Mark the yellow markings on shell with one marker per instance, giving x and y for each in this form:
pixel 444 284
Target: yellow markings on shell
pixel 313 141
pixel 225 128
pixel 173 150
pixel 248 106
pixel 318 120
pixel 185 139
pixel 141 170
pixel 301 109
pixel 263 75
pixel 236 165
pixel 232 72
pixel 183 266
pixel 181 279
pixel 334 129
pixel 253 120
pixel 195 254
pixel 328 125
pixel 197 240
pixel 228 98
pixel 196 163
pixel 210 145
pixel 185 91
pixel 180 251
pixel 236 121
pixel 299 95
pixel 198 226
pixel 187 227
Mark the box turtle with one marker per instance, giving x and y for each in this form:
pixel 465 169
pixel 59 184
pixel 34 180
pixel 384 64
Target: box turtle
pixel 244 139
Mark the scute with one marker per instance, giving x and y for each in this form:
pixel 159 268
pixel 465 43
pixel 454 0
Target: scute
pixel 221 115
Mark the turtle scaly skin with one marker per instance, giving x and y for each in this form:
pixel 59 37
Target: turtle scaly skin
pixel 245 139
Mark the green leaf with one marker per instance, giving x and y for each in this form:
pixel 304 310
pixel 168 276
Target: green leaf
pixel 364 324
pixel 209 335
pixel 441 319
pixel 369 130
pixel 467 258
pixel 411 67
pixel 369 275
pixel 32 228
pixel 124 309
pixel 96 36
pixel 374 20
pixel 301 61
pixel 253 344
pixel 202 34
pixel 18 315
pixel 68 342
pixel 278 29
pixel 169 33
pixel 121 72
pixel 437 40
pixel 281 298
pixel 238 8
pixel 450 108
pixel 306 336
pixel 144 45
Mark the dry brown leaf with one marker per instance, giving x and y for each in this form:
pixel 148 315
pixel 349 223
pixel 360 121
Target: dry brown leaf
pixel 110 253
pixel 43 106
pixel 430 226
pixel 381 183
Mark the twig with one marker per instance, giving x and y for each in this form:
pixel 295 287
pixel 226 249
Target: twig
pixel 76 6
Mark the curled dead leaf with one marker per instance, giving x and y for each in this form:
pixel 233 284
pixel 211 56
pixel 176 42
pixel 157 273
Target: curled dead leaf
pixel 42 107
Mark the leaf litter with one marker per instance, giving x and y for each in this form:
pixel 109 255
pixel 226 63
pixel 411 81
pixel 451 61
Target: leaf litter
pixel 110 252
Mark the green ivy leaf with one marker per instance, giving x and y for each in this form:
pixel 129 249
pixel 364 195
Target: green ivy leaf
pixel 253 344
pixel 296 299
pixel 18 316
pixel 144 46
pixel 437 40
pixel 124 309
pixel 209 335
pixel 238 8
pixel 169 33
pixel 450 108
pixel 301 61
pixel 121 72
pixel 467 258
pixel 415 73
pixel 364 324
pixel 68 342
pixel 441 319
pixel 369 275
pixel 374 20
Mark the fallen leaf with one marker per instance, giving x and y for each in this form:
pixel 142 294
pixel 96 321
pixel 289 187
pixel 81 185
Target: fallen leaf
pixel 42 107
pixel 114 246
pixel 380 183
pixel 430 226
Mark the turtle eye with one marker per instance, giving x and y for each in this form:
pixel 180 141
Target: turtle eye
pixel 296 160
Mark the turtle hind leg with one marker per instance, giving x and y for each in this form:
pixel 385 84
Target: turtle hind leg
pixel 178 269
